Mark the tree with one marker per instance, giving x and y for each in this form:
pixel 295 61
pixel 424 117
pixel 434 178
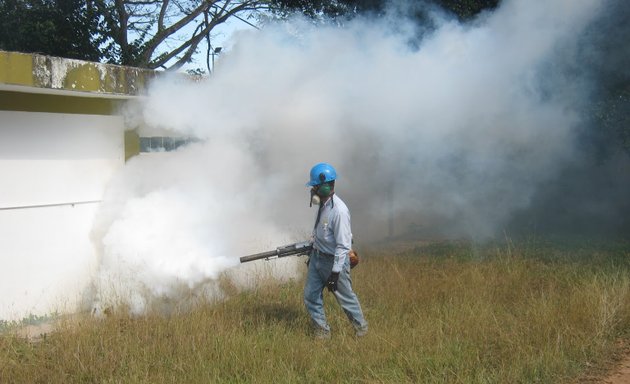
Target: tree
pixel 466 9
pixel 326 8
pixel 604 57
pixel 66 28
pixel 463 9
pixel 142 33
pixel 164 33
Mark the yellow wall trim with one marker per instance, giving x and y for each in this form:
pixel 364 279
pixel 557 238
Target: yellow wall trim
pixel 33 102
pixel 33 70
pixel 16 68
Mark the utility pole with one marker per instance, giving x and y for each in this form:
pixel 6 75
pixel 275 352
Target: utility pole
pixel 214 52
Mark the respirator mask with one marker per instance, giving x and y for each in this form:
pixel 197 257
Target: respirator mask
pixel 319 192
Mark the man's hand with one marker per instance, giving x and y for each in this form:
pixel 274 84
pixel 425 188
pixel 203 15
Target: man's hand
pixel 332 281
pixel 354 258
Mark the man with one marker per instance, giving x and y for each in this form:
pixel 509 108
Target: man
pixel 329 264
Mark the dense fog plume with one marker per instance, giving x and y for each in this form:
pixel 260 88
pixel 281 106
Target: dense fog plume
pixel 454 135
pixel 591 195
pixel 171 223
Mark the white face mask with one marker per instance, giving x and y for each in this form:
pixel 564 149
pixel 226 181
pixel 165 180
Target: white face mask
pixel 315 200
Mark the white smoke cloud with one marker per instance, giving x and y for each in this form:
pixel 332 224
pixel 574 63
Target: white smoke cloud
pixel 454 136
pixel 171 223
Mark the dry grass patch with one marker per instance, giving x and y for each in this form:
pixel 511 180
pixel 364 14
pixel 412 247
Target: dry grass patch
pixel 438 313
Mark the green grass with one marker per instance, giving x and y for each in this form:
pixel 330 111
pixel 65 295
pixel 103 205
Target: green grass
pixel 6 326
pixel 449 312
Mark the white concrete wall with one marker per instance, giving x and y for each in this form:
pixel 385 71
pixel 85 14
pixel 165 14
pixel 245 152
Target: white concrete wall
pixel 47 160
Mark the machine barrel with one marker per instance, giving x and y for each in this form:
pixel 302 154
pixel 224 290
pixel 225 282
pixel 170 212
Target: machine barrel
pixel 257 256
pixel 302 248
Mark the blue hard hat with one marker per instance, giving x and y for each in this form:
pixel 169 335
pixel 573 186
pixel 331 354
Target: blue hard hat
pixel 321 173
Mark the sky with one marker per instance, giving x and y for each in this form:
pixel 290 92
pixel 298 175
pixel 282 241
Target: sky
pixel 222 36
pixel 453 138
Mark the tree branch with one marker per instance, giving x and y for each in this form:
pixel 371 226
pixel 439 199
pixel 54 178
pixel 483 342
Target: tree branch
pixel 158 21
pixel 161 35
pixel 160 25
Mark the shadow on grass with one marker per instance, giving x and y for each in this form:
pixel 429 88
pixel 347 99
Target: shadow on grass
pixel 274 313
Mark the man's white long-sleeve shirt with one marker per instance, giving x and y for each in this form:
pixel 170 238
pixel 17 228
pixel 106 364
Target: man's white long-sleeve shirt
pixel 333 233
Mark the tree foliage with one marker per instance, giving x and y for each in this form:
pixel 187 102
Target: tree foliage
pixel 326 8
pixel 142 33
pixel 66 28
pixel 463 9
pixel 466 9
pixel 604 58
pixel 156 33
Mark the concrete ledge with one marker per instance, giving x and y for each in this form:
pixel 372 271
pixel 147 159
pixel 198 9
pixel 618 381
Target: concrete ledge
pixel 84 77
